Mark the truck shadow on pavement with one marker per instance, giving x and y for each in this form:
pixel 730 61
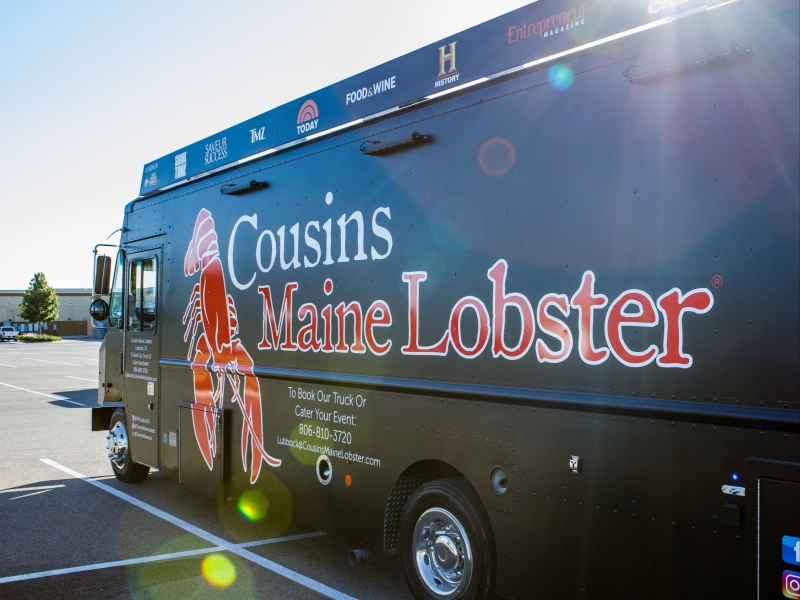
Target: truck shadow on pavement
pixel 76 398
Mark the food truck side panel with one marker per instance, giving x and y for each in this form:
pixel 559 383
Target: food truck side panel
pixel 525 187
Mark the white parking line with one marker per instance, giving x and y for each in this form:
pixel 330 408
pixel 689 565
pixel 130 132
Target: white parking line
pixel 51 387
pixel 32 391
pixel 53 362
pixel 147 559
pixel 43 394
pixel 73 402
pixel 209 537
pixel 287 538
pixel 31 494
pixel 28 488
pixel 32 491
pixel 83 378
pixel 5 365
pixel 107 565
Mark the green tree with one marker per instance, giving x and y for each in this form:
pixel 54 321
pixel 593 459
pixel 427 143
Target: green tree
pixel 39 302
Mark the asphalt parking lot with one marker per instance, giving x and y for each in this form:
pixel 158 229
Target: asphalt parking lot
pixel 70 529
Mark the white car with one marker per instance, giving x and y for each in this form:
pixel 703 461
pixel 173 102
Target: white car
pixel 8 333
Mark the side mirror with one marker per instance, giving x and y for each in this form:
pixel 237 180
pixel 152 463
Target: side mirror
pixel 99 310
pixel 102 275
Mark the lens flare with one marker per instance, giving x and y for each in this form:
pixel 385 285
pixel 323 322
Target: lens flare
pixel 253 505
pixel 218 570
pixel 496 156
pixel 561 76
pixel 306 435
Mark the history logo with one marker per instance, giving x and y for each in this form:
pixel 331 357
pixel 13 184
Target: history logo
pixel 448 73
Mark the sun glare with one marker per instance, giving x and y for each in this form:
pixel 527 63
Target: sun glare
pixel 561 76
pixel 253 505
pixel 218 570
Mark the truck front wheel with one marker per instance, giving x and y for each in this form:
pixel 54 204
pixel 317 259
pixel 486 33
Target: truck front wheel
pixel 446 543
pixel 119 453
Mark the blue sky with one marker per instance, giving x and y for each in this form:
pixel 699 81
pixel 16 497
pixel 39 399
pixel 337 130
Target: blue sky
pixel 92 90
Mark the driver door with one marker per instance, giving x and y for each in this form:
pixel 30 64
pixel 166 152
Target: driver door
pixel 141 354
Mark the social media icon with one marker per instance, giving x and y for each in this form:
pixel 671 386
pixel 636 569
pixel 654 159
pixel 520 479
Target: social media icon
pixel 791 584
pixel 791 550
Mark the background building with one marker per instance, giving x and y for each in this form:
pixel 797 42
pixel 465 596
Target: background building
pixel 73 312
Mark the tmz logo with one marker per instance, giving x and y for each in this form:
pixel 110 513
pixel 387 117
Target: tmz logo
pixel 257 134
pixel 308 117
pixel 632 308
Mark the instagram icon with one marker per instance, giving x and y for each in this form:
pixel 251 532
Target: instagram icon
pixel 791 584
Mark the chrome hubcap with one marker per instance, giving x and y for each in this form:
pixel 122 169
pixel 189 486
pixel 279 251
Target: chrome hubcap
pixel 443 556
pixel 118 444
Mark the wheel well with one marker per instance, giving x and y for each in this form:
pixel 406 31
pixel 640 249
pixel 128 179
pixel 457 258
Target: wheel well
pixel 414 476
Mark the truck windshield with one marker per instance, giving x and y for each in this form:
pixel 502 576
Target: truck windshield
pixel 115 312
pixel 142 295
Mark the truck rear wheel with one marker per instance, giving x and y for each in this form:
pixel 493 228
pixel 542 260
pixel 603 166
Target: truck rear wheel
pixel 446 543
pixel 119 453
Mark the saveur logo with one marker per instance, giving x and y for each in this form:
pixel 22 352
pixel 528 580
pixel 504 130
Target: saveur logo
pixel 307 117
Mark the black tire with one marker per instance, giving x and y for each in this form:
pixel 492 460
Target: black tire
pixel 129 471
pixel 455 497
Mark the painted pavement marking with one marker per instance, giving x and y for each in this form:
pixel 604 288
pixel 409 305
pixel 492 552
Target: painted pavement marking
pixel 149 559
pixel 52 362
pixel 287 538
pixel 30 488
pixel 220 543
pixel 32 491
pixel 106 565
pixel 73 402
pixel 33 392
pixel 43 394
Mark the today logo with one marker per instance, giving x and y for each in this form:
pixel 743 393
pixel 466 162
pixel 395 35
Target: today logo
pixel 307 117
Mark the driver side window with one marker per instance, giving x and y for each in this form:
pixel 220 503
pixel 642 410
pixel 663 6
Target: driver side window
pixel 115 311
pixel 142 295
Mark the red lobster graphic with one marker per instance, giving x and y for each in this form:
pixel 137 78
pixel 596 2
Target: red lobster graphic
pixel 214 308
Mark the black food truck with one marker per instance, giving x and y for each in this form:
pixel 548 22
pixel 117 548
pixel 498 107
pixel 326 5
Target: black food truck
pixel 521 307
